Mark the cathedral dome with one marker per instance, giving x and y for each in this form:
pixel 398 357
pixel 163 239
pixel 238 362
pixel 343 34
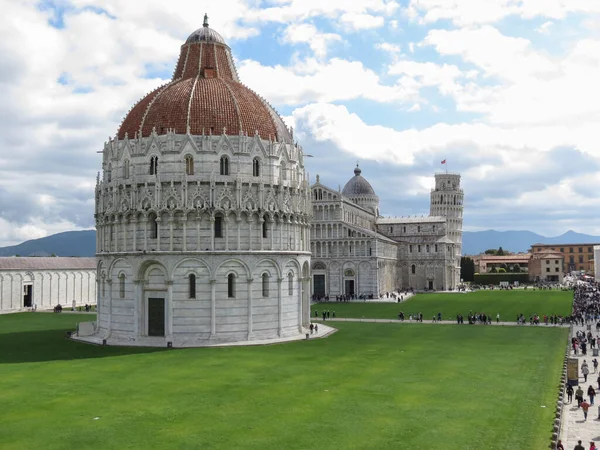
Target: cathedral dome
pixel 205 96
pixel 358 186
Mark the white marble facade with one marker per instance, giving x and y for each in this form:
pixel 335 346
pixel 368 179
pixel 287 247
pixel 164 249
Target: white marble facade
pixel 202 213
pixel 358 252
pixel 45 282
pixel 159 234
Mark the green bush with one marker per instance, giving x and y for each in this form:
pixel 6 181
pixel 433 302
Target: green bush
pixel 496 278
pixel 501 270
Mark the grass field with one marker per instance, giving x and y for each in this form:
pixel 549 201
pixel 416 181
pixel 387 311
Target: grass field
pixel 368 386
pixel 506 303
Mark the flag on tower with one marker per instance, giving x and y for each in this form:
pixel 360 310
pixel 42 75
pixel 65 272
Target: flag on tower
pixel 444 161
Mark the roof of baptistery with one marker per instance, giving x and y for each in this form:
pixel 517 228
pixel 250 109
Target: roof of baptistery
pixel 205 96
pixel 358 186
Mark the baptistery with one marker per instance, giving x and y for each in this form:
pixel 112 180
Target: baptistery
pixel 202 213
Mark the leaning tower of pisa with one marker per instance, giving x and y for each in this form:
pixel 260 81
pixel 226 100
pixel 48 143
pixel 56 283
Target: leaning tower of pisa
pixel 447 201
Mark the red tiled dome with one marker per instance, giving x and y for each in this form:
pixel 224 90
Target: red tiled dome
pixel 206 96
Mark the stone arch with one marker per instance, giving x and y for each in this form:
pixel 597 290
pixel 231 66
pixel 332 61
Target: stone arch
pixel 265 264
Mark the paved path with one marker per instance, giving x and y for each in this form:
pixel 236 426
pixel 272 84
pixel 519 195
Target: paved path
pixel 573 426
pixel 443 322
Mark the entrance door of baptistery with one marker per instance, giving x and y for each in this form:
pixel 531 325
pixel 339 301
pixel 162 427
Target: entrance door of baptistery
pixel 156 316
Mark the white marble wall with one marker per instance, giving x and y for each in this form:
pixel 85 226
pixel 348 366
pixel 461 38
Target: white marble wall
pixel 50 288
pixel 212 314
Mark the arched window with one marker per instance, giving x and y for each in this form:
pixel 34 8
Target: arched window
pixel 265 284
pixel 283 171
pixel 126 169
pixel 189 165
pixel 255 167
pixel 290 283
pixel 224 165
pixel 153 226
pixel 413 268
pixel 154 165
pixel 231 285
pixel 192 286
pixel 265 227
pixel 122 285
pixel 218 227
pixel 109 173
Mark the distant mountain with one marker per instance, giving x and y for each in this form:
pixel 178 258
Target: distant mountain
pixel 475 242
pixel 83 243
pixel 69 243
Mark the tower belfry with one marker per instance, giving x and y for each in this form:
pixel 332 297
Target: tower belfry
pixel 447 201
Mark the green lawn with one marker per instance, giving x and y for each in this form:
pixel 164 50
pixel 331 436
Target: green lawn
pixel 368 386
pixel 507 303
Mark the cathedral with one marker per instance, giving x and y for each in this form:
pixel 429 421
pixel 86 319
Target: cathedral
pixel 358 253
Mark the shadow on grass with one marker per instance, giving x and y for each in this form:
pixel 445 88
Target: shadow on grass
pixel 53 345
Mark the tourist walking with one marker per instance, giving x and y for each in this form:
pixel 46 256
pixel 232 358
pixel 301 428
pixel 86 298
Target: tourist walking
pixel 570 393
pixel 591 394
pixel 559 445
pixel 585 406
pixel 579 446
pixel 593 446
pixel 579 396
pixel 595 363
pixel 585 370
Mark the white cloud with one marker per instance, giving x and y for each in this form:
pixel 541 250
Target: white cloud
pixel 524 85
pixel 428 74
pixel 388 47
pixel 299 10
pixel 469 12
pixel 308 33
pixel 545 27
pixel 359 21
pixel 313 81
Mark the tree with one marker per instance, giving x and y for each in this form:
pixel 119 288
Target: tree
pixel 516 268
pixel 493 270
pixel 467 268
pixel 501 270
pixel 500 252
pixel 504 266
pixel 491 251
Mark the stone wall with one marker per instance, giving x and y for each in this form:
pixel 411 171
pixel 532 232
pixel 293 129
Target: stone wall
pixel 49 288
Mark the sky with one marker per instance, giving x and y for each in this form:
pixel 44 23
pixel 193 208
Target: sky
pixel 506 91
